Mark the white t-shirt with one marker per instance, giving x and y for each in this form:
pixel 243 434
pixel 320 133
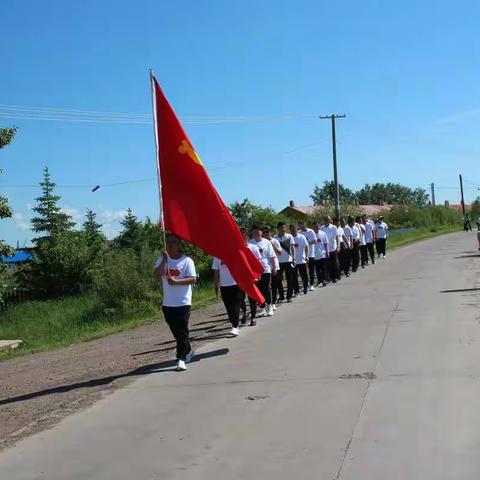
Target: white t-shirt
pixel 276 246
pixel 362 233
pixel 347 231
pixel 369 229
pixel 299 244
pixel 355 232
pixel 266 252
pixel 254 249
pixel 341 233
pixel 332 234
pixel 382 229
pixel 321 245
pixel 226 279
pixel 309 234
pixel 287 240
pixel 177 295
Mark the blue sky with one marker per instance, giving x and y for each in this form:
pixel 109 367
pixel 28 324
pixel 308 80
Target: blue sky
pixel 406 74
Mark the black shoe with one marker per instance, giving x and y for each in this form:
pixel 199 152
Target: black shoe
pixel 334 280
pixel 253 322
pixel 289 300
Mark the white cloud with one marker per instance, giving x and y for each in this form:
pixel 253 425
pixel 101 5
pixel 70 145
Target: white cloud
pixel 75 213
pixel 21 221
pixel 111 215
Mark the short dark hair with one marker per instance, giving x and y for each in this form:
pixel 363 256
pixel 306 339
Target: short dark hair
pixel 280 224
pixel 266 228
pixel 172 236
pixel 255 227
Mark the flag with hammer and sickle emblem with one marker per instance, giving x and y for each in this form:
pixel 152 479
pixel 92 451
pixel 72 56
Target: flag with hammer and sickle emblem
pixel 190 206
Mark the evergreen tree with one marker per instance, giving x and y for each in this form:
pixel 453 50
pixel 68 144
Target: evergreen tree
pixel 91 228
pixel 50 220
pixel 130 235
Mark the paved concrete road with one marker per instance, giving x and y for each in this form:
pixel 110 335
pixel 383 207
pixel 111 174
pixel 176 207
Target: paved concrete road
pixel 284 400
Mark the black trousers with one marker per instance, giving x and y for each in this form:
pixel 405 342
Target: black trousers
pixel 333 266
pixel 381 246
pixel 364 255
pixel 177 319
pixel 355 254
pixel 311 270
pixel 232 299
pixel 321 270
pixel 286 270
pixel 371 251
pixel 300 269
pixel 345 260
pixel 265 287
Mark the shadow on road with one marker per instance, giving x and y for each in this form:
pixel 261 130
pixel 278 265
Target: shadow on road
pixel 165 366
pixel 474 255
pixel 461 290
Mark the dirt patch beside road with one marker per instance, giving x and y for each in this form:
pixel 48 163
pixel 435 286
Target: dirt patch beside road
pixel 37 391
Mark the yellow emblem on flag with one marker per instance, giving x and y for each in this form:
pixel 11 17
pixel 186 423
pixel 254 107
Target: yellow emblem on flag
pixel 185 147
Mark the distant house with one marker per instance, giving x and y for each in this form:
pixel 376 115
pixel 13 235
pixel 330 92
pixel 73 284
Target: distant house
pixel 302 211
pixel 19 257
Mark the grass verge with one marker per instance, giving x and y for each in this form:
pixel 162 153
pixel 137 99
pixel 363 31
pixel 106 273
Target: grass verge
pixel 51 324
pixel 402 239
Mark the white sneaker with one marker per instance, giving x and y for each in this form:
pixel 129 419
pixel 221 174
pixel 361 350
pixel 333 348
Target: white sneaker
pixel 190 355
pixel 234 331
pixel 274 307
pixel 181 367
pixel 261 312
pixel 269 310
pixel 311 288
pixel 384 256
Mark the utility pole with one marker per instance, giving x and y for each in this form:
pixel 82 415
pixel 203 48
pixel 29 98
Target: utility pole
pixel 461 191
pixel 432 197
pixel 334 151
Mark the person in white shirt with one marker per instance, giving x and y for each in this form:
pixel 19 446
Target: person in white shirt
pixel 355 252
pixel 382 235
pixel 285 262
pixel 333 248
pixel 321 255
pixel 300 258
pixel 230 292
pixel 345 248
pixel 309 234
pixel 370 237
pixel 252 303
pixel 177 274
pixel 268 261
pixel 363 243
pixel 267 234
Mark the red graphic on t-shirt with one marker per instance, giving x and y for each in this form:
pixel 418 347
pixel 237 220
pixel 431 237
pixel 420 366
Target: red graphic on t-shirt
pixel 173 272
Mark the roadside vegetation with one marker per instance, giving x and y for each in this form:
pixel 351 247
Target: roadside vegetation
pixel 80 285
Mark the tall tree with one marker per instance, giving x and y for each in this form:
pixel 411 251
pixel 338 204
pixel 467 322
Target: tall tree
pixel 131 231
pixel 326 194
pixel 92 229
pixel 51 220
pixel 6 137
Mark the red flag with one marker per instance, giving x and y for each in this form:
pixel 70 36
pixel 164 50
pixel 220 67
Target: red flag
pixel 192 208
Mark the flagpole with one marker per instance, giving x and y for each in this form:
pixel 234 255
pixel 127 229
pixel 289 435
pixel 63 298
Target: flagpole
pixel 155 135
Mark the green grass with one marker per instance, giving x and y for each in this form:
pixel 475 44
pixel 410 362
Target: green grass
pixel 402 239
pixel 51 324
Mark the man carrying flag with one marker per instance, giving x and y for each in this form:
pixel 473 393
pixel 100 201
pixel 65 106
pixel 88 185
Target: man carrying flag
pixel 190 207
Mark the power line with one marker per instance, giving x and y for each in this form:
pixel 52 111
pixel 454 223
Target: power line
pixel 91 116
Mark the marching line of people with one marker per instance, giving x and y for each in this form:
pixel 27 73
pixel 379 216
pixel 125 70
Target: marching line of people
pixel 295 262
